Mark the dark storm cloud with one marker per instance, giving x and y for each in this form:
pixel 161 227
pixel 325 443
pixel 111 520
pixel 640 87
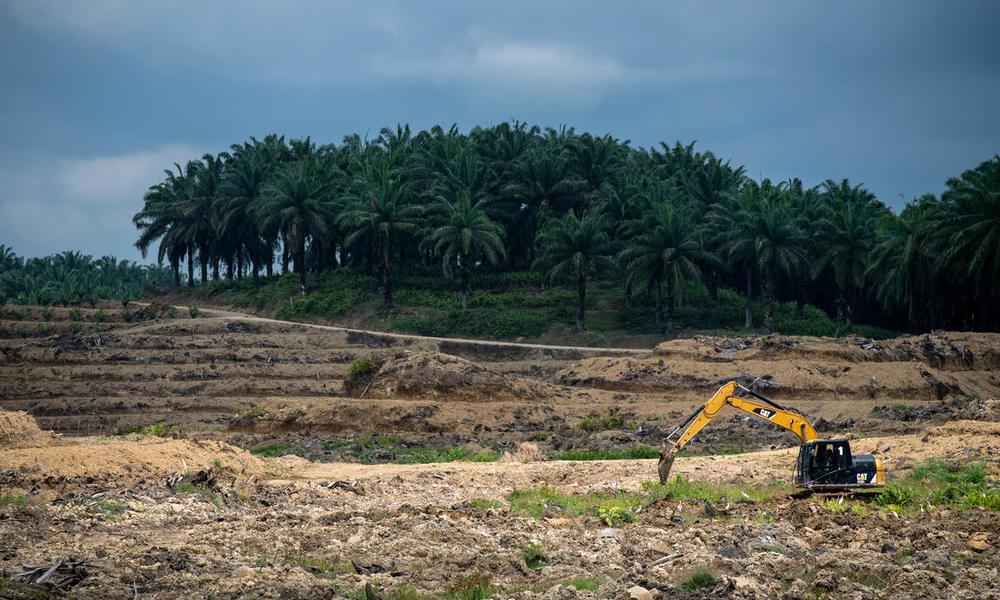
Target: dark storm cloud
pixel 99 97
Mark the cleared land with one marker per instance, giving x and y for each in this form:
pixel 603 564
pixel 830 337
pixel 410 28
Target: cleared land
pixel 153 480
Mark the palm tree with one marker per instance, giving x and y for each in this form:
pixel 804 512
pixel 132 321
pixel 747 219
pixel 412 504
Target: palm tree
pixel 542 183
pixel 780 249
pixel 732 220
pixel 576 248
pixel 465 237
pixel 242 189
pixel 902 267
pixel 664 247
pixel 970 219
pixel 761 235
pixel 161 219
pixel 847 235
pixel 297 201
pixel 379 216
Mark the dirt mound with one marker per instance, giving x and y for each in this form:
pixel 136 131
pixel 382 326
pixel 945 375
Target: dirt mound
pixel 432 375
pixel 945 350
pixel 913 369
pixel 123 461
pixel 19 430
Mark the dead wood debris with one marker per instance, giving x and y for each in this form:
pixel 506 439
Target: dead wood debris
pixel 60 576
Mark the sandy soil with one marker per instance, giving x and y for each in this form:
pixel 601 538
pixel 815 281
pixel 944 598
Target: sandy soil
pixel 194 514
pixel 318 530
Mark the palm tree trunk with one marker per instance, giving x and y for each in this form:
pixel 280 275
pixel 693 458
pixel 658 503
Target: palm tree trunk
pixel 464 282
pixel 256 271
pixel 769 308
pixel 849 313
pixel 670 306
pixel 239 265
pixel 229 268
pixel 203 259
pixel 175 265
pixel 749 306
pixel 713 286
pixel 386 284
pixel 191 268
pixel 284 254
pixel 581 304
pixel 659 305
pixel 300 263
pixel 215 269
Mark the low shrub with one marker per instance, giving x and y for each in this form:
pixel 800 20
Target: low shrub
pixel 360 367
pixel 534 555
pixel 701 580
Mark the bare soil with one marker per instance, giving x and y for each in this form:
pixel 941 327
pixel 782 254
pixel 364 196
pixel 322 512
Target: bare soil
pixel 326 525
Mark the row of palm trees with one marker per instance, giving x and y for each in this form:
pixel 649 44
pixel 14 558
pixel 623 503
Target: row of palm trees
pixel 514 197
pixel 71 277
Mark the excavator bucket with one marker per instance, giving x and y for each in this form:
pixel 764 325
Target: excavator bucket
pixel 666 462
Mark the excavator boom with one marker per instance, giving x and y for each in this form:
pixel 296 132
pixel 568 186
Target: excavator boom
pixel 750 402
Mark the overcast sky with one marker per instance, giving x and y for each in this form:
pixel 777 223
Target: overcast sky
pixel 97 97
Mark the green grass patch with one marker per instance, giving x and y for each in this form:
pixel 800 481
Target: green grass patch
pixel 186 487
pixel 534 555
pixel 392 449
pixel 472 587
pixel 618 510
pixel 607 423
pixel 632 453
pixel 680 488
pixel 316 564
pixel 107 510
pixel 156 430
pixel 15 500
pixel 585 584
pixel 615 509
pixel 867 578
pixel 700 580
pixel 941 482
pixel 275 450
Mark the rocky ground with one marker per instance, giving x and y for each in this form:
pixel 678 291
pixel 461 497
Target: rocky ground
pixel 181 508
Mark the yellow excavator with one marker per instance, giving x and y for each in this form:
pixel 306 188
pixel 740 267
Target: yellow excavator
pixel 824 465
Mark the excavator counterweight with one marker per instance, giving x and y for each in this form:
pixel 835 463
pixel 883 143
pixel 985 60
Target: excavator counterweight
pixel 822 465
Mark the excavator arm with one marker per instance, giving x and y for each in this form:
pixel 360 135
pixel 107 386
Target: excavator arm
pixel 751 402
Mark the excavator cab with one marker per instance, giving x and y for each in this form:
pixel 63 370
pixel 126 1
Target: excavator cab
pixel 829 464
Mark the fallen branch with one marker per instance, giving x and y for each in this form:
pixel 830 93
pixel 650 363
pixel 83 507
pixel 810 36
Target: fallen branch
pixel 662 560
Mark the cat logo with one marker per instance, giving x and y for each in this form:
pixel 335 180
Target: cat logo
pixel 862 477
pixel 767 414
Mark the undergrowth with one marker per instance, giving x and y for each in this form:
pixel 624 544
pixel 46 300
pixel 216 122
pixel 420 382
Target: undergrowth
pixel 505 305
pixel 942 482
pixel 615 509
pixel 630 453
